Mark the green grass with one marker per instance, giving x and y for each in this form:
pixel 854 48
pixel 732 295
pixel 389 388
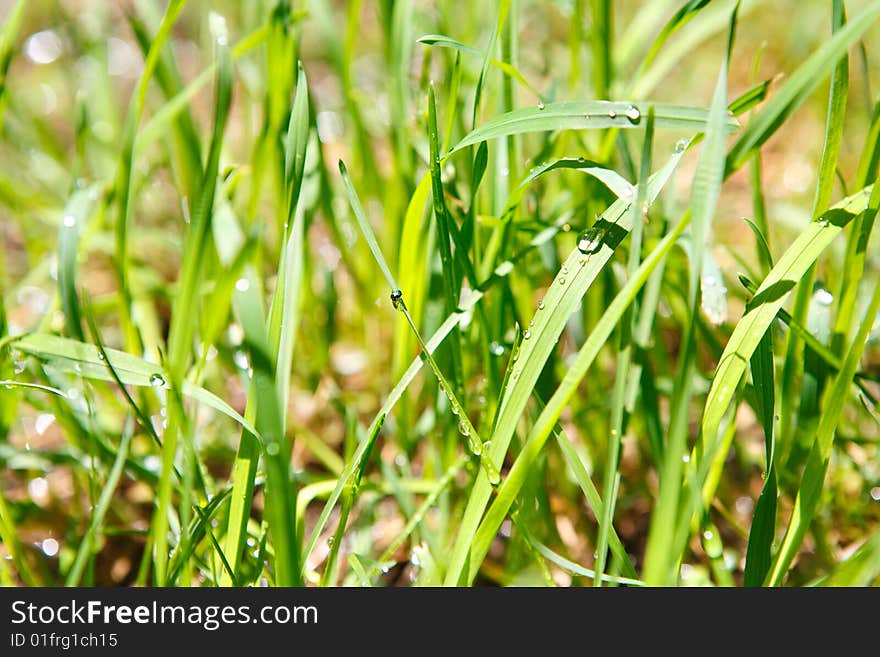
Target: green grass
pixel 298 294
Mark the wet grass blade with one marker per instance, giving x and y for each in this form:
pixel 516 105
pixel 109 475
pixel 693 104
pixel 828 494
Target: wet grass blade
pixel 587 115
pixel 85 360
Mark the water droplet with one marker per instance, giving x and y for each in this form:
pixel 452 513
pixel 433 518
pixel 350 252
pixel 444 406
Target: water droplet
pixel 680 145
pixel 875 493
pixel 824 297
pixel 708 535
pixel 240 359
pixel 396 298
pixel 590 241
pixel 100 355
pixel 541 305
pixel 686 458
pixel 540 104
pixel 527 334
pixel 463 428
pixel 562 280
pixel 272 449
pixel 564 270
pixel 69 221
pixel 331 541
pixel 157 380
pixel 824 223
pixel 242 284
pixel 633 113
pixel 50 547
pixel 612 114
pixel 496 349
pixel 455 410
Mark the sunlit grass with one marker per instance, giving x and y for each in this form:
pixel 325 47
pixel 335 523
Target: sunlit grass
pixel 300 295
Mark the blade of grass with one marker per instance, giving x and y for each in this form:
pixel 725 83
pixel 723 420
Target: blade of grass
pixel 85 360
pixel 808 494
pixel 586 115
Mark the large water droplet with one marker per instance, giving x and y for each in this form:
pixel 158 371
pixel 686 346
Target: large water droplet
pixel 463 428
pixel 590 241
pixel 540 104
pixel 396 298
pixel 633 113
pixel 157 380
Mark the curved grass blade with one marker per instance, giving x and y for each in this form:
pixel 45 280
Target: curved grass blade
pixel 586 115
pixel 621 187
pixel 448 42
pixel 85 360
pixel 763 307
pixel 810 489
